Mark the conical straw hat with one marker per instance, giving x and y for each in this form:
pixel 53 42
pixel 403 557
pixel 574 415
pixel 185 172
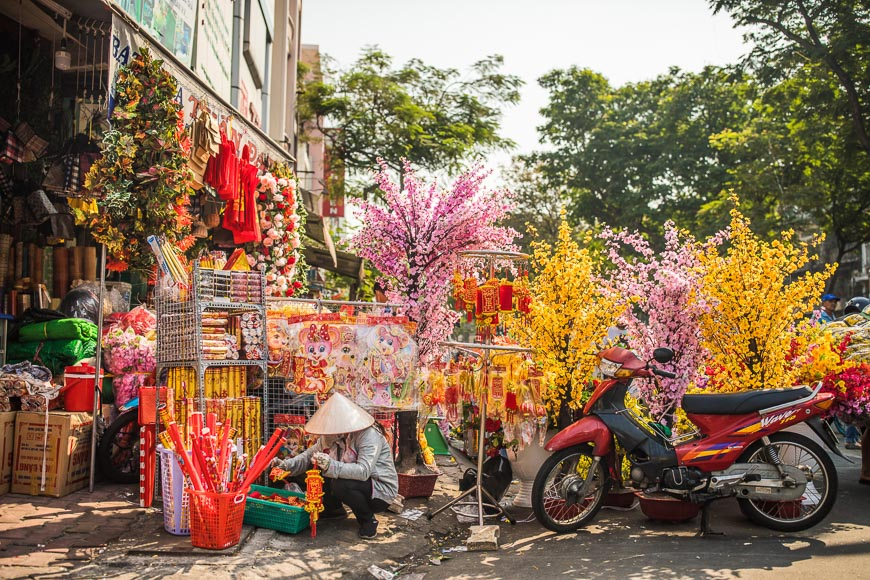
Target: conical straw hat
pixel 338 415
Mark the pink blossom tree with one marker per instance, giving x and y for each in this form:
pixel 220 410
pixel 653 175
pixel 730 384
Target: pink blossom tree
pixel 661 293
pixel 414 239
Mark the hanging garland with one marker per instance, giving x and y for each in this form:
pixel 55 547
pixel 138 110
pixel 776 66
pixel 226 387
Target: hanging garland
pixel 282 217
pixel 141 184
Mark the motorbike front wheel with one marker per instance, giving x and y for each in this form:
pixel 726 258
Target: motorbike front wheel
pixel 818 497
pixel 559 475
pixel 118 454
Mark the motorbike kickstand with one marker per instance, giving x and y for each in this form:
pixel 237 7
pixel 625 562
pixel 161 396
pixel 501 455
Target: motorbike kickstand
pixel 705 529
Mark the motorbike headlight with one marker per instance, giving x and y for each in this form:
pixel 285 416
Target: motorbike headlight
pixel 607 369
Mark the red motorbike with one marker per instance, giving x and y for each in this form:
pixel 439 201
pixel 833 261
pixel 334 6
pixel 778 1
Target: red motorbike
pixel 782 480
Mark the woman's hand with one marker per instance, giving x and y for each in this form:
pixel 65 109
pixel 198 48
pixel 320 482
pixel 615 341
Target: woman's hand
pixel 322 460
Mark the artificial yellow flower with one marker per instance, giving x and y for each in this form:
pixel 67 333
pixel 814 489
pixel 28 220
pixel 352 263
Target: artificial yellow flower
pixel 757 296
pixel 569 318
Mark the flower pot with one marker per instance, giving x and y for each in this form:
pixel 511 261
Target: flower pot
pixel 525 465
pixel 666 508
pixel 620 498
pixel 417 485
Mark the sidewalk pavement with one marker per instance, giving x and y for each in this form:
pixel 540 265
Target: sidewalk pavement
pixel 46 535
pixel 105 535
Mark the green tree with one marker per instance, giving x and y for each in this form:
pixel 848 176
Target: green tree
pixel 640 154
pixel 800 167
pixel 813 56
pixel 436 118
pixel 534 204
pixel 788 34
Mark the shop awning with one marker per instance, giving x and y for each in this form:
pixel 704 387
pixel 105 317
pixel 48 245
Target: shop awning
pixel 328 258
pixel 345 264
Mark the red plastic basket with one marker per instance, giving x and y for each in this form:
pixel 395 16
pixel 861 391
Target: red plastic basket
pixel 216 519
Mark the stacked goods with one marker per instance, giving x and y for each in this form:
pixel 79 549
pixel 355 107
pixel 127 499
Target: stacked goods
pixel 10 386
pixel 244 415
pixel 210 457
pixel 252 336
pixel 214 330
pixel 220 382
pixel 30 383
pixel 55 344
pixel 246 287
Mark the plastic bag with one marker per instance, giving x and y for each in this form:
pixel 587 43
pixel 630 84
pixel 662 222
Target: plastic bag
pixel 82 302
pixel 497 476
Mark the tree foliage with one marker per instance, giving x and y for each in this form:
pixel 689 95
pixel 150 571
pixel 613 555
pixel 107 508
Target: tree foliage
pixel 809 147
pixel 570 315
pixel 535 207
pixel 788 34
pixel 756 296
pixel 638 155
pixel 436 118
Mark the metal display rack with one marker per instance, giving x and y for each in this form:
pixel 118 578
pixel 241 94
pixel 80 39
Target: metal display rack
pixel 216 299
pixel 489 259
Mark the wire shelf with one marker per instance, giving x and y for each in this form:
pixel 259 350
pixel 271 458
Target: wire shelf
pixel 211 348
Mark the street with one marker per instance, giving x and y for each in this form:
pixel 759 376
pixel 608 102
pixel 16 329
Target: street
pixel 126 542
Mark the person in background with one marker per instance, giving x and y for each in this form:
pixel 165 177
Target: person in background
pixel 355 459
pixel 865 458
pixel 829 305
pixel 381 297
pixel 850 432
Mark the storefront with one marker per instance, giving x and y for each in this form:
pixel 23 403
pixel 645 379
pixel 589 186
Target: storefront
pixel 57 228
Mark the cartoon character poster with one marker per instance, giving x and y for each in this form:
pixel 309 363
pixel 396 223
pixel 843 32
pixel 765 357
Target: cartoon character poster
pixel 373 364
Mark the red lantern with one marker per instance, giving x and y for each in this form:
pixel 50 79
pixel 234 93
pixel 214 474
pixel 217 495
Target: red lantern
pixel 506 296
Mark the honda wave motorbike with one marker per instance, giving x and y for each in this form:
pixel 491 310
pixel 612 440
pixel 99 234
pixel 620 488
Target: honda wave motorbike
pixel 782 480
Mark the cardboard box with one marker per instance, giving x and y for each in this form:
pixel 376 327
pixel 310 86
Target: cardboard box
pixel 7 449
pixel 67 452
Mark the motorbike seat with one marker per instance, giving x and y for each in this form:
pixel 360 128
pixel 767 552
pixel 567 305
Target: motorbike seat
pixel 741 403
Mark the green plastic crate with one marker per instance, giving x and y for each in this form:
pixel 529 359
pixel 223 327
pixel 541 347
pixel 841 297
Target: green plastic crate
pixel 275 516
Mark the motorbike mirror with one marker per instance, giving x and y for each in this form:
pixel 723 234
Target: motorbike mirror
pixel 663 355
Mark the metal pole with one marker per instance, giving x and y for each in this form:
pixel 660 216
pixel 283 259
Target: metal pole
pixel 98 365
pixel 482 436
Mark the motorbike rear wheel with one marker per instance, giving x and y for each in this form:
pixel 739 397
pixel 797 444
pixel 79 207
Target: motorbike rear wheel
pixel 820 493
pixel 118 454
pixel 558 473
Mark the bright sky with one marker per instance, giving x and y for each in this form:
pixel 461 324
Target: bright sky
pixel 625 40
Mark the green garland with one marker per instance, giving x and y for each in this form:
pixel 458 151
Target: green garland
pixel 141 184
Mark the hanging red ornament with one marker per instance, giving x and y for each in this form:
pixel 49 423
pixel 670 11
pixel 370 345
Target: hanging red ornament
pixel 506 296
pixel 470 297
pixel 313 496
pixel 458 291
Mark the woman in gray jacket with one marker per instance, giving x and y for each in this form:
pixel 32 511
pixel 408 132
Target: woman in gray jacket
pixel 355 460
